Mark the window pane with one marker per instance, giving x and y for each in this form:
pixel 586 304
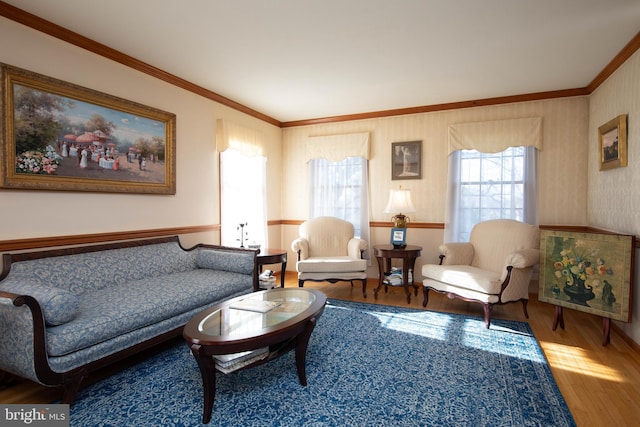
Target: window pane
pixel 491 187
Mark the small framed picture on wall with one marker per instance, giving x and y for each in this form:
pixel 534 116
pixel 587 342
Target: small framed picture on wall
pixel 406 160
pixel 612 137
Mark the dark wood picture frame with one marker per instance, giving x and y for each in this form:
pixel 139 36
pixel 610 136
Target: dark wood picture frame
pixel 406 160
pixel 63 137
pixel 612 143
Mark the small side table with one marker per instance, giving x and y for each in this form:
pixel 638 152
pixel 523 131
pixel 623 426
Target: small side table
pixel 408 254
pixel 273 256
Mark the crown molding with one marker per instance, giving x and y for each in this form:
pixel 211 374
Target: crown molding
pixel 54 30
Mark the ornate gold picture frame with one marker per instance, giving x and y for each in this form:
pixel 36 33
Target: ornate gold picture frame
pixel 612 137
pixel 63 137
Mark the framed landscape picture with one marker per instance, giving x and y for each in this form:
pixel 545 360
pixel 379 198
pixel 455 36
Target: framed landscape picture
pixel 590 272
pixel 63 137
pixel 612 140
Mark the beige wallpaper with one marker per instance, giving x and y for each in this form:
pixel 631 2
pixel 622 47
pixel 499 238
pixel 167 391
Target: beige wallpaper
pixel 614 195
pixel 613 206
pixel 562 162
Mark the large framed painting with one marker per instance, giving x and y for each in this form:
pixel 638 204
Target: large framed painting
pixel 63 137
pixel 406 160
pixel 590 272
pixel 612 140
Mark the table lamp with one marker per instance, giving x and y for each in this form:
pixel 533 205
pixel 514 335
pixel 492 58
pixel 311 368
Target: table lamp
pixel 400 201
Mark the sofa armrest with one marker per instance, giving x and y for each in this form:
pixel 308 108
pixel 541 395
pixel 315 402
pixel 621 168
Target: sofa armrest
pixel 301 247
pixel 524 258
pixel 235 260
pixel 457 253
pixel 58 305
pixel 356 246
pixel 22 341
pixel 224 258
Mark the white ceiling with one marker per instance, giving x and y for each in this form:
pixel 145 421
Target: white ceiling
pixel 304 59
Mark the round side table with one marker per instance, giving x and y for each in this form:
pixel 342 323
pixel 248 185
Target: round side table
pixel 385 253
pixel 273 256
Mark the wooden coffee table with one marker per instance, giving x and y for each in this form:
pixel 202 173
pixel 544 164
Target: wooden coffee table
pixel 223 330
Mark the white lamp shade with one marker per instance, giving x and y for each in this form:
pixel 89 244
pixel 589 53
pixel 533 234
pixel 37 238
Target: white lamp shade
pixel 399 202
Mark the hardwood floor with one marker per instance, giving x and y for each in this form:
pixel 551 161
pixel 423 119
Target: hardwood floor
pixel 600 384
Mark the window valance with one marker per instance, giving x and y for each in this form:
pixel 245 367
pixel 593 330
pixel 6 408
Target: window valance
pixel 247 141
pixel 497 135
pixel 336 148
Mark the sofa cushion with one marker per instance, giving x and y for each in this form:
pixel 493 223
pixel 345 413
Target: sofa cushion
pixel 464 276
pixel 112 311
pixel 58 305
pixel 331 264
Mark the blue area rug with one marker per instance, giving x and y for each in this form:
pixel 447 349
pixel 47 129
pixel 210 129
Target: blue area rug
pixel 367 364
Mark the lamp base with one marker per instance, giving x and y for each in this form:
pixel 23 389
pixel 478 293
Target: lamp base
pixel 400 221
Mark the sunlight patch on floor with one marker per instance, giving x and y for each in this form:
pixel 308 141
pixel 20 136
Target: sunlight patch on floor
pixel 577 360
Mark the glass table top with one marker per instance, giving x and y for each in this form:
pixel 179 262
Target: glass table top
pixel 256 312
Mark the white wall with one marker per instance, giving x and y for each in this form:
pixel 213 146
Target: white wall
pixel 614 195
pixel 26 214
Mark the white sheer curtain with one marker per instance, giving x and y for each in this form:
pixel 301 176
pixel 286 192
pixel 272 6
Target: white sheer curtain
pixel 243 198
pixel 341 189
pixel 483 186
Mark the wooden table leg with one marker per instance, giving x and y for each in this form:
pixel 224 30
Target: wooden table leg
pixel 606 331
pixel 283 270
pixel 208 371
pixel 405 280
pixel 380 278
pixel 558 319
pixel 302 341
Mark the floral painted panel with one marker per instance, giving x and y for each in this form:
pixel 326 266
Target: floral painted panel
pixel 590 272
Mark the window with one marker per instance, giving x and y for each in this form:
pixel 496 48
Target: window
pixel 484 186
pixel 243 198
pixel 340 189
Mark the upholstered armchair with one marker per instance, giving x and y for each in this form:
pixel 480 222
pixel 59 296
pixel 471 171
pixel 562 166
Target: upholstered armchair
pixel 494 267
pixel 328 252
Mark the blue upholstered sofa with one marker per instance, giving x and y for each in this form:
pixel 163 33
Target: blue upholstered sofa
pixel 67 312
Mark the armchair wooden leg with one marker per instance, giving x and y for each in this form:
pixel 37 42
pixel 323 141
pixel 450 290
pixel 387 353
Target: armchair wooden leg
pixel 524 307
pixel 364 288
pixel 487 314
pixel 425 294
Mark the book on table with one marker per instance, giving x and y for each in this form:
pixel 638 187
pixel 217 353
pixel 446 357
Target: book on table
pixel 226 363
pixel 267 282
pixel 394 277
pixel 259 306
